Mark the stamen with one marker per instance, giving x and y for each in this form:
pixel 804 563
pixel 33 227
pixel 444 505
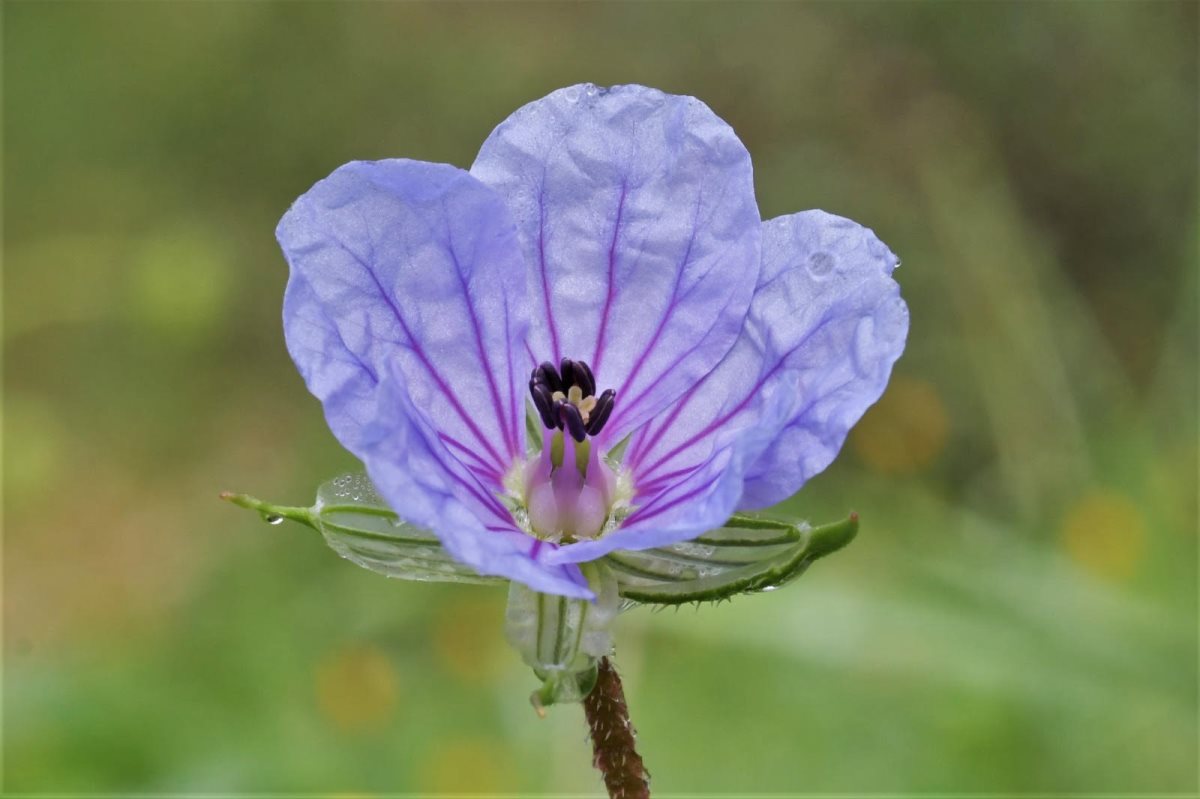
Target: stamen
pixel 585 379
pixel 547 375
pixel 565 398
pixel 599 416
pixel 544 403
pixel 570 416
pixel 567 369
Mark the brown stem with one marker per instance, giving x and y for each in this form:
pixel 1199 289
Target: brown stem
pixel 613 736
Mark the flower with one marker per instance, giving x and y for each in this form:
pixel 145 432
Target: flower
pixel 590 340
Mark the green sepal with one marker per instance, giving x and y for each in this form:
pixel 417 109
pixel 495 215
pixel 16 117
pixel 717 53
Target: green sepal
pixel 562 639
pixel 748 555
pixel 360 527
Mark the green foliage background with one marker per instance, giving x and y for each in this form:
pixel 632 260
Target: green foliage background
pixel 1020 611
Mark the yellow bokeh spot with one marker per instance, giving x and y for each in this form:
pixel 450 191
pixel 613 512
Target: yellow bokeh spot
pixel 181 282
pixel 905 431
pixel 357 689
pixel 467 637
pixel 1105 533
pixel 38 442
pixel 468 766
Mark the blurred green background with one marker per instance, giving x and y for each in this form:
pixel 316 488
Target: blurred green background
pixel 1019 613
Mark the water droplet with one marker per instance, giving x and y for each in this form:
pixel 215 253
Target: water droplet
pixel 272 518
pixel 572 94
pixel 820 264
pixel 694 550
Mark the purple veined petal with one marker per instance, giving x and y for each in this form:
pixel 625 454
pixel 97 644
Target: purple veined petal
pixel 637 218
pixel 729 398
pixel 407 460
pixel 828 308
pixel 428 486
pixel 344 383
pixel 823 331
pixel 415 264
pixel 703 494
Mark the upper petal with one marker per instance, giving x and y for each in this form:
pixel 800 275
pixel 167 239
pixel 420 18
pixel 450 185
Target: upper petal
pixel 637 217
pixel 828 309
pixel 413 264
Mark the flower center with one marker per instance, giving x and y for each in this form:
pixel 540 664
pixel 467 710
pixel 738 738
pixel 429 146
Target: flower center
pixel 565 398
pixel 569 491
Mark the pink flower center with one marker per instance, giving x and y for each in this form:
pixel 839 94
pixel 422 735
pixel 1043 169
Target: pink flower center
pixel 568 489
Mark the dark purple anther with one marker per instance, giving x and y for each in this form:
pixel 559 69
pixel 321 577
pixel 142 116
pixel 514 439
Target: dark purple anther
pixel 585 379
pixel 601 412
pixel 567 370
pixel 546 381
pixel 543 402
pixel 573 420
pixel 548 375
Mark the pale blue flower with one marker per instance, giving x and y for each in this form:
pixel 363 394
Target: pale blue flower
pixel 616 229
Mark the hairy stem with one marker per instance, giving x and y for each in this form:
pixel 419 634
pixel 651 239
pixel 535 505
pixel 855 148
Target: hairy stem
pixel 613 735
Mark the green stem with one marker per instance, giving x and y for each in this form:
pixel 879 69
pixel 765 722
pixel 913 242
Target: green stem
pixel 269 511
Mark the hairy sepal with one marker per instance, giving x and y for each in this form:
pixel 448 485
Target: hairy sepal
pixel 561 638
pixel 359 526
pixel 748 555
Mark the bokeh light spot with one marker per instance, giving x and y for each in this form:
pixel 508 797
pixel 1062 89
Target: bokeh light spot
pixel 357 688
pixel 1105 533
pixel 37 448
pixel 468 765
pixel 181 281
pixel 905 431
pixel 467 637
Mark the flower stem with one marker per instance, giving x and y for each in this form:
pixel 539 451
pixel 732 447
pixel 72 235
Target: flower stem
pixel 625 775
pixel 269 511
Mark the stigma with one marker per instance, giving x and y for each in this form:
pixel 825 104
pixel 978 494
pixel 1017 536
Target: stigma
pixel 566 399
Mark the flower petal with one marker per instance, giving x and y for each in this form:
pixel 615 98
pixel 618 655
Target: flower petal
pixel 417 264
pixel 343 382
pixel 829 309
pixel 637 216
pixel 428 486
pixel 823 331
